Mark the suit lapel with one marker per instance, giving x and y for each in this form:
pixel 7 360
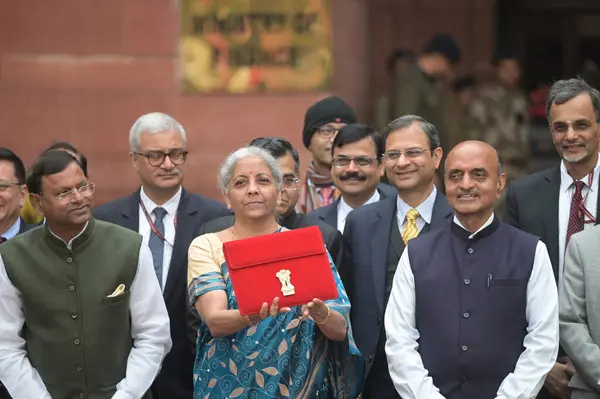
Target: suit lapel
pixel 442 212
pixel 331 216
pixel 380 230
pixel 184 234
pixel 396 238
pixel 131 212
pixel 550 194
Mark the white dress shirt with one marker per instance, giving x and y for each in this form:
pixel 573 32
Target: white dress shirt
pixel 425 210
pixel 150 331
pixel 567 189
pixel 412 380
pixel 344 209
pixel 12 230
pixel 171 207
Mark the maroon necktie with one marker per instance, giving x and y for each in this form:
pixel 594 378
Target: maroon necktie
pixel 576 214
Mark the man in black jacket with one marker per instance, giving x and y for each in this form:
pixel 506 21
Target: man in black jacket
pixel 168 217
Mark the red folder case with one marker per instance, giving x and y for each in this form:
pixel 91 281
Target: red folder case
pixel 292 265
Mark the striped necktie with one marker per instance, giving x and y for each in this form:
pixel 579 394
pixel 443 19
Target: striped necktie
pixel 410 230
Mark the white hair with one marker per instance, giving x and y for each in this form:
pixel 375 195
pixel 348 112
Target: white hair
pixel 154 122
pixel 228 166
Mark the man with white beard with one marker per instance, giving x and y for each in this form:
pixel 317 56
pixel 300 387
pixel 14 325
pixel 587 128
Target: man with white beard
pixel 554 204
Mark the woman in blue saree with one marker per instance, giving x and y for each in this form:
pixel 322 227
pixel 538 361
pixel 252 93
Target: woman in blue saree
pixel 300 352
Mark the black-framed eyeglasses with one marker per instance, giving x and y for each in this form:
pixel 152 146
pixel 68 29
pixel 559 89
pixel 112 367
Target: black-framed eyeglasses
pixel 412 153
pixel 5 185
pixel 86 190
pixel 327 131
pixel 157 158
pixel 361 161
pixel 290 183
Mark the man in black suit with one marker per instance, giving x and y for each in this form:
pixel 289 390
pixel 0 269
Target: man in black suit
pixel 376 234
pixel 12 197
pixel 555 203
pixel 168 217
pixel 289 161
pixel 356 169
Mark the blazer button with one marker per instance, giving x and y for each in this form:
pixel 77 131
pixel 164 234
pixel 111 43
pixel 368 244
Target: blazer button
pixel 464 348
pixel 470 250
pixel 379 321
pixel 71 288
pixel 370 359
pixel 466 315
pixel 69 260
pixel 467 281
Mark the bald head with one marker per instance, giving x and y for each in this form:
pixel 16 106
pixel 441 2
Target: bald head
pixel 471 147
pixel 474 178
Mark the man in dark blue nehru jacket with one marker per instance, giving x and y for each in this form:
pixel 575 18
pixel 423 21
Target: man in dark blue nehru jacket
pixel 473 311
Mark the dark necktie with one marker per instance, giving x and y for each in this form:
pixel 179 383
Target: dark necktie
pixel 576 213
pixel 2 240
pixel 156 244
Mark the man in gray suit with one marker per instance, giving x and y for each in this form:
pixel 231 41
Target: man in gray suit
pixel 579 309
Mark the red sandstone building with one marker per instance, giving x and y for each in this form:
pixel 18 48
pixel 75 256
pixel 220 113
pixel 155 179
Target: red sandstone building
pixel 83 71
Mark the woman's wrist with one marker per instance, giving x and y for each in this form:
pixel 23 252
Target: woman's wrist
pixel 251 320
pixel 323 321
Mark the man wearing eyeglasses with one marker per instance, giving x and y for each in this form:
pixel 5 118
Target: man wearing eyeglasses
pixel 321 123
pixel 80 308
pixel 356 170
pixel 556 203
pixel 376 234
pixel 168 217
pixel 12 197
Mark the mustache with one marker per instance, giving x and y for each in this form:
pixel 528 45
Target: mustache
pixel 568 143
pixel 352 175
pixel 173 172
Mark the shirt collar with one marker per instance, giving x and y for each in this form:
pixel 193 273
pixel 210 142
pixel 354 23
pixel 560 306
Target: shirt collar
pixel 486 224
pixel 345 208
pixel 566 180
pixel 170 206
pixel 70 243
pixel 13 230
pixel 425 208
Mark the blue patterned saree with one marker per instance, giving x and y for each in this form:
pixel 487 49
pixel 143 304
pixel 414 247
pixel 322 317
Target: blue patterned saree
pixel 280 357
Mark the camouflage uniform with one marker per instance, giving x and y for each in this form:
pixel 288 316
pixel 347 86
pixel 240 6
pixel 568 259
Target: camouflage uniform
pixel 416 93
pixel 500 118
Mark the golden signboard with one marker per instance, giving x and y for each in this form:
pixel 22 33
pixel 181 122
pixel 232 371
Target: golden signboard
pixel 251 46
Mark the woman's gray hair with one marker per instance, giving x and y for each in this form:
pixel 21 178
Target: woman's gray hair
pixel 228 166
pixel 151 123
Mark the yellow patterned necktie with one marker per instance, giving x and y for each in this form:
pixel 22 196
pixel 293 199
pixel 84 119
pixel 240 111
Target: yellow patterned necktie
pixel 410 229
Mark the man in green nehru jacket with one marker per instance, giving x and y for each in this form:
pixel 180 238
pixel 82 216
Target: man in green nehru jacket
pixel 81 311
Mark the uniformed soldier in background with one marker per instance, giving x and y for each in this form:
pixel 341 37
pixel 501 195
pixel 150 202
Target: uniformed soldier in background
pixel 424 89
pixel 499 116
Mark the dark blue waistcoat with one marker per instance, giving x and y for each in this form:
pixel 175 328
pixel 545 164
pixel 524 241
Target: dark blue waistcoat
pixel 471 299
